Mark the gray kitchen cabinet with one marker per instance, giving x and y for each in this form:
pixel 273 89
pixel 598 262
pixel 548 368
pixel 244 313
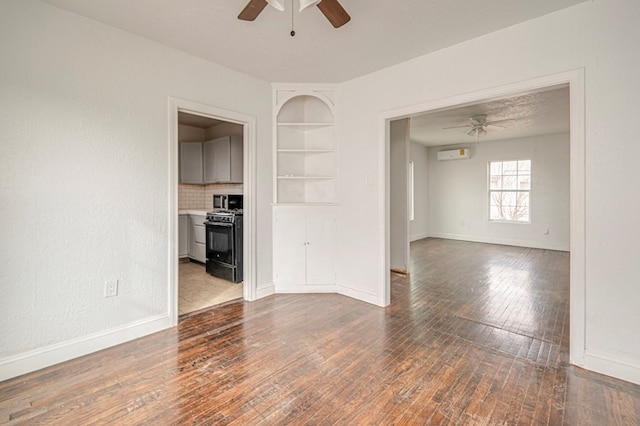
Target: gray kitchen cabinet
pixel 191 164
pixel 183 235
pixel 223 160
pixel 197 238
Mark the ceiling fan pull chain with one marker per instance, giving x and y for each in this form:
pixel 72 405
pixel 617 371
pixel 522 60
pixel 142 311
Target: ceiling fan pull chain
pixel 293 33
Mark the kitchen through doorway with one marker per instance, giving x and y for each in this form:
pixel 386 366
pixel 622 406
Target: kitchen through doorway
pixel 210 165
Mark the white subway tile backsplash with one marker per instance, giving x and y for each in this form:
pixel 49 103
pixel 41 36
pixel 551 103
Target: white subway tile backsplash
pixel 200 197
pixel 191 197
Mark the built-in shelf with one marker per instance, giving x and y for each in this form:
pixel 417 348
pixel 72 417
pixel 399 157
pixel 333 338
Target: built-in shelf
pixel 305 158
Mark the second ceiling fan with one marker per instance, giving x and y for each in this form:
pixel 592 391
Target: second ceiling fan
pixel 479 124
pixel 331 9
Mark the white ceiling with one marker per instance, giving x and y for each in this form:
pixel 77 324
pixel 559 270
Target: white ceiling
pixel 381 32
pixel 542 112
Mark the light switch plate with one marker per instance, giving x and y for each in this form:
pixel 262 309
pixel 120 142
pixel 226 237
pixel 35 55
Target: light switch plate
pixel 110 288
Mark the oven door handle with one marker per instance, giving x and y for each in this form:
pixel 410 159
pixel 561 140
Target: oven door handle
pixel 224 224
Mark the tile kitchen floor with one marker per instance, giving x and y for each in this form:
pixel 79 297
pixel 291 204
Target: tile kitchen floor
pixel 198 290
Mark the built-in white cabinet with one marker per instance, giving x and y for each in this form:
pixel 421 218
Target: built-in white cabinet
pixel 216 161
pixel 304 248
pixel 223 160
pixel 191 165
pixel 305 147
pixel 197 238
pixel 183 235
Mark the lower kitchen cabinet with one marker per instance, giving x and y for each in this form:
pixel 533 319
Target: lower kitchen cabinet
pixel 304 248
pixel 197 238
pixel 183 235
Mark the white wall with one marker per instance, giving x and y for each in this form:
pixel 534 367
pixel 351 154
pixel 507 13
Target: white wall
pixel 419 226
pixel 84 177
pixel 458 202
pixel 599 36
pixel 398 192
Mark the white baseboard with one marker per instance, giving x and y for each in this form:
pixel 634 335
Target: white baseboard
pixel 265 291
pixel 502 241
pixel 613 366
pixel 419 236
pixel 306 288
pixel 36 359
pixel 358 294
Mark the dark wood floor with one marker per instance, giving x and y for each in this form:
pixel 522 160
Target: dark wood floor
pixel 477 335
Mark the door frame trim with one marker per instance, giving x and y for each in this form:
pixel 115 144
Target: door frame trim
pixel 577 210
pixel 248 123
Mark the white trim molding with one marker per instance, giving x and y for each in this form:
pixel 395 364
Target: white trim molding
pixel 576 80
pixel 265 291
pixel 358 294
pixel 248 122
pixel 501 241
pixel 613 366
pixel 44 357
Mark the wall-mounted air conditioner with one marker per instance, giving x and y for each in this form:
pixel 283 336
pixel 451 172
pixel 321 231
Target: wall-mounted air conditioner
pixel 454 154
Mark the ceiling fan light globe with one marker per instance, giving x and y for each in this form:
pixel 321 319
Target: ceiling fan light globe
pixel 277 4
pixel 304 4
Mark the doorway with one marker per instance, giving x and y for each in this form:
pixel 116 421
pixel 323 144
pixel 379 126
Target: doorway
pixel 575 80
pixel 180 111
pixel 205 147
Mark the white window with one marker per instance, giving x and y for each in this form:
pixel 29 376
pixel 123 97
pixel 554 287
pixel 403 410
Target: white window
pixel 509 190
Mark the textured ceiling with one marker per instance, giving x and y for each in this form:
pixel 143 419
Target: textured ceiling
pixel 381 32
pixel 542 112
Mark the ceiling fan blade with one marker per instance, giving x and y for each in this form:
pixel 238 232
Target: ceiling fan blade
pixel 494 126
pixel 501 121
pixel 252 10
pixel 334 12
pixel 456 127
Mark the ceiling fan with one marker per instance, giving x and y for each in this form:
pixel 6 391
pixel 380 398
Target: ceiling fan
pixel 331 9
pixel 478 125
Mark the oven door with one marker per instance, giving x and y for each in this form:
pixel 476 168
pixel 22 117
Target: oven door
pixel 220 242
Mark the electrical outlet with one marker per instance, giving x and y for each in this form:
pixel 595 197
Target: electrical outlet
pixel 110 288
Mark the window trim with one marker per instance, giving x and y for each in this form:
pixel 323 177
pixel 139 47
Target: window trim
pixel 490 191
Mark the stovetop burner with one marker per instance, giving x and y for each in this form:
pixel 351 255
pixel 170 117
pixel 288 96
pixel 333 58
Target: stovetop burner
pixel 221 215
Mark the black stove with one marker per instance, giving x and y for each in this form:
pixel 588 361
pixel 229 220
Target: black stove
pixel 224 244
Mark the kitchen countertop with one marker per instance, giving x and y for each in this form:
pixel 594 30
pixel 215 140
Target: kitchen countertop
pixel 195 212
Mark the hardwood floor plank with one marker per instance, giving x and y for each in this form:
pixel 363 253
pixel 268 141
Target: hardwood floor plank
pixel 475 334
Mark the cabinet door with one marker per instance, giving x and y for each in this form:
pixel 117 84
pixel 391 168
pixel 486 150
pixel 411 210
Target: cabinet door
pixel 197 242
pixel 183 236
pixel 236 161
pixel 221 155
pixel 191 162
pixel 223 160
pixel 289 257
pixel 216 160
pixel 209 155
pixel 320 232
